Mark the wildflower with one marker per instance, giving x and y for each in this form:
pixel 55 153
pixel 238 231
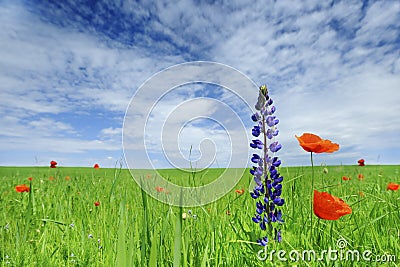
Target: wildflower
pixel 7 258
pixel 278 236
pixel 313 143
pixel 159 189
pixel 194 216
pixel 263 241
pixel 51 178
pixel 268 189
pixel 361 194
pixel 184 215
pixel 72 255
pixel 96 166
pixel 228 212
pixel 53 164
pixel 256 144
pixel 148 176
pixel 239 191
pixel 7 226
pixel 90 236
pixel 30 179
pixel 326 170
pixel 393 186
pixel 345 178
pixel 97 203
pixel 22 188
pixel 360 176
pixel 361 162
pixel 72 225
pixel 67 178
pixel 329 207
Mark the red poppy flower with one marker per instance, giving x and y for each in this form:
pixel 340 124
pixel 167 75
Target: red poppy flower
pixel 345 178
pixel 53 164
pixel 96 166
pixel 51 178
pixel 97 203
pixel 361 194
pixel 67 178
pixel 239 191
pixel 159 189
pixel 148 176
pixel 361 162
pixel 30 179
pixel 329 207
pixel 22 188
pixel 393 186
pixel 360 176
pixel 313 143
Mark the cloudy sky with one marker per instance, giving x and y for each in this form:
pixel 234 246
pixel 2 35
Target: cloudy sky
pixel 69 69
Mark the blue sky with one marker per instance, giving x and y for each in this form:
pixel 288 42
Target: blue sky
pixel 68 70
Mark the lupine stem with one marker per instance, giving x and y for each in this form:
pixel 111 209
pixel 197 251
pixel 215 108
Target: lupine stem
pixel 265 172
pixel 265 148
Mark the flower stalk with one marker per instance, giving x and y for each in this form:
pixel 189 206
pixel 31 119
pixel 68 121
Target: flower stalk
pixel 268 187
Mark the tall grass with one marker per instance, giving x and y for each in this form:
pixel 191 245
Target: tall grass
pixel 57 223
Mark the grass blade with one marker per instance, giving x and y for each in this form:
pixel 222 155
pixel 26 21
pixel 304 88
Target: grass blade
pixel 121 243
pixel 178 236
pixel 145 232
pixel 205 257
pixel 154 250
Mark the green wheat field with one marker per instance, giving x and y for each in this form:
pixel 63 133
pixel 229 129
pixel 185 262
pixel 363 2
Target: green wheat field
pixel 58 224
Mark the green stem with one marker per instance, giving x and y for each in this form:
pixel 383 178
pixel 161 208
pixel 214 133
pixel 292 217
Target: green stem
pixel 312 193
pixel 323 179
pixel 265 171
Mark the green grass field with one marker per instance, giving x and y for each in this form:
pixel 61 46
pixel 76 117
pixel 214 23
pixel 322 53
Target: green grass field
pixel 57 223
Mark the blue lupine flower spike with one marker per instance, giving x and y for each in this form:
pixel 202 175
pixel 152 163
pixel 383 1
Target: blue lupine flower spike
pixel 268 214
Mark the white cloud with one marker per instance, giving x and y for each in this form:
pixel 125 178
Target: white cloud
pixel 332 69
pixel 110 131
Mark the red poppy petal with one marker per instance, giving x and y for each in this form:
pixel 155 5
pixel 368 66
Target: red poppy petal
pixel 313 143
pixel 22 188
pixel 329 207
pixel 393 186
